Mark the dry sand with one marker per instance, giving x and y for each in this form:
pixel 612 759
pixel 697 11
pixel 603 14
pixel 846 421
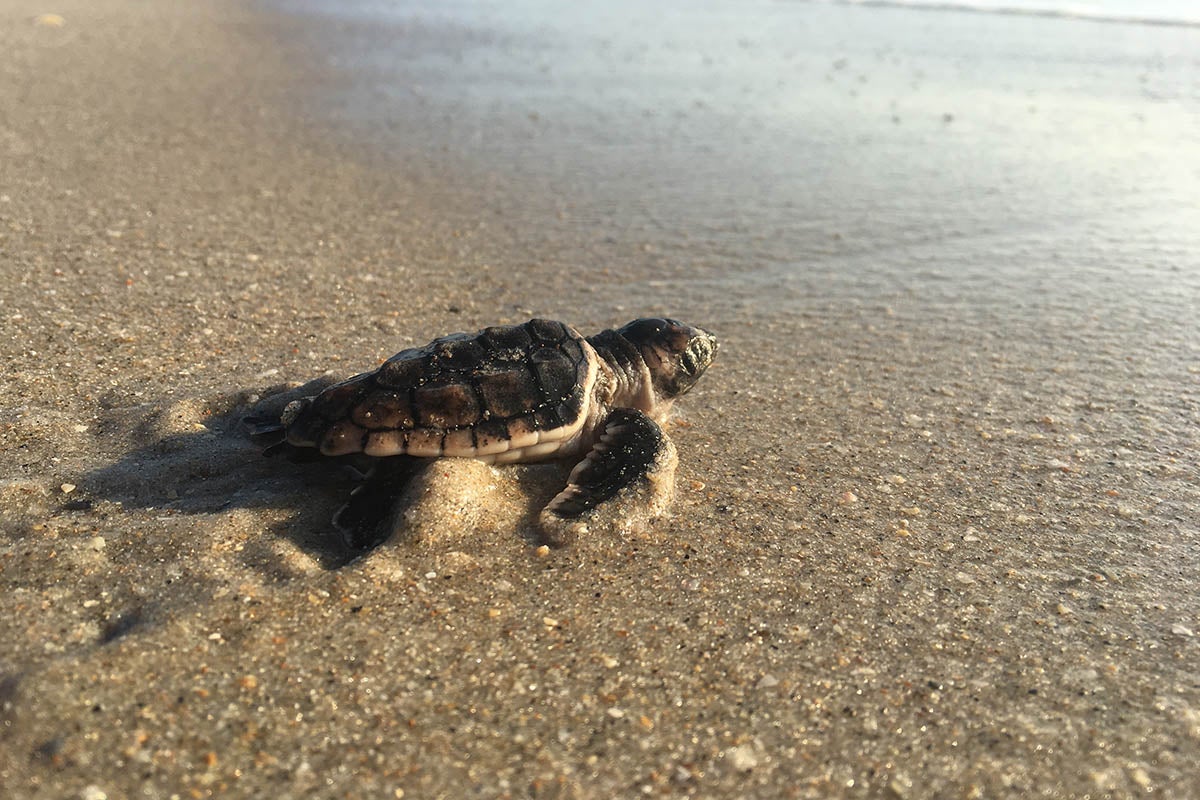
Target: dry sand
pixel 931 538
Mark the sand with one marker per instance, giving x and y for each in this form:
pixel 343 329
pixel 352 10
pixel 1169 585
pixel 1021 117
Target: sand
pixel 934 532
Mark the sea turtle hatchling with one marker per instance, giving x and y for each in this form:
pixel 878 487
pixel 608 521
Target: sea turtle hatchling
pixel 516 393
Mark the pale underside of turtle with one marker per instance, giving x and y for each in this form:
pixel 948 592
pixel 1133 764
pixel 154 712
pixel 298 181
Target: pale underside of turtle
pixel 507 394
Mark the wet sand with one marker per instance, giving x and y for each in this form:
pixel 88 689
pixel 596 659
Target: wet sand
pixel 935 526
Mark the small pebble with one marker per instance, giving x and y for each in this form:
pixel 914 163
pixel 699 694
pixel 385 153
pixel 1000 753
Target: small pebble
pixel 550 622
pixel 615 713
pixel 457 562
pixel 743 758
pixel 67 488
pixel 846 498
pixel 1082 675
pixel 543 551
pixel 901 785
pixel 97 543
pixel 1140 777
pixel 1181 630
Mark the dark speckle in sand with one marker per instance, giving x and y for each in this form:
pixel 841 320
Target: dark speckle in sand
pixel 122 624
pixel 48 750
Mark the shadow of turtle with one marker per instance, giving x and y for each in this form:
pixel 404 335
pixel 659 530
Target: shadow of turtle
pixel 197 456
pixel 193 456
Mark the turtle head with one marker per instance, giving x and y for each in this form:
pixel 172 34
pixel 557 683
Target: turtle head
pixel 676 354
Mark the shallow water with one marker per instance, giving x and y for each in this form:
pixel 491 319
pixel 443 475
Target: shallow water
pixel 788 138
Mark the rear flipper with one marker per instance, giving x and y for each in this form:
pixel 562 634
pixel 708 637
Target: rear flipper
pixel 264 428
pixel 272 433
pixel 626 480
pixel 369 517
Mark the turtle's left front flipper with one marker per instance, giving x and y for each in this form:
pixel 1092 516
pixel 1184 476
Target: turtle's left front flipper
pixel 369 516
pixel 626 480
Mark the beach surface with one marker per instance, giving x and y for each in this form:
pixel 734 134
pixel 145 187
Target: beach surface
pixel 937 520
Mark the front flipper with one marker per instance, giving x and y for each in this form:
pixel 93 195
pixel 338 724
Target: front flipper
pixel 369 516
pixel 626 480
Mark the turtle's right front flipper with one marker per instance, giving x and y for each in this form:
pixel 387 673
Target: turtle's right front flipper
pixel 369 517
pixel 626 480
